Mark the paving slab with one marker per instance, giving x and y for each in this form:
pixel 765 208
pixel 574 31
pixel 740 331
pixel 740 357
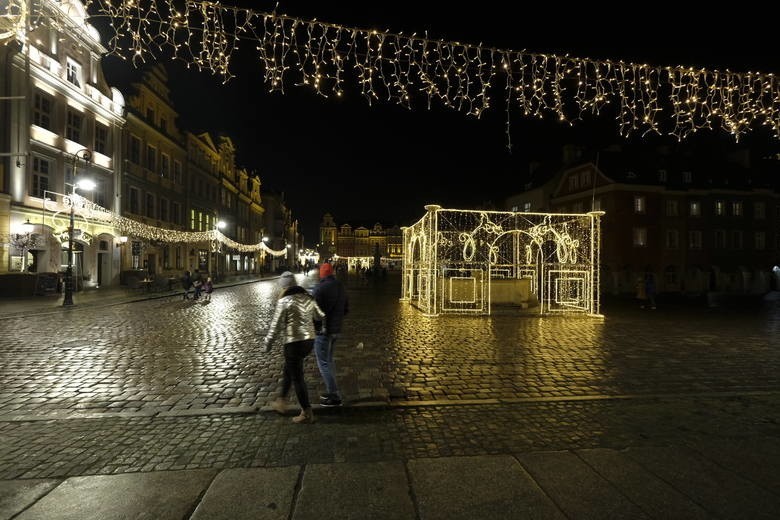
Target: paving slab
pixel 477 487
pixel 249 494
pixel 757 459
pixel 654 496
pixel 576 488
pixel 720 491
pixel 165 495
pixel 356 491
pixel 15 495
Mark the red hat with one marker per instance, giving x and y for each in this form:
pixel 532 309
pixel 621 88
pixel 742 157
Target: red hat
pixel 326 270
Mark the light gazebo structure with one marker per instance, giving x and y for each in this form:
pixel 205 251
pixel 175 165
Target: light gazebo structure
pixel 471 261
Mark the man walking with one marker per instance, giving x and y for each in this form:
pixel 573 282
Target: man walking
pixel 332 299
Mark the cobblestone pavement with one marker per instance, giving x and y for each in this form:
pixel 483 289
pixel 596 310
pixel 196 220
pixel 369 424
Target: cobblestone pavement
pixel 165 384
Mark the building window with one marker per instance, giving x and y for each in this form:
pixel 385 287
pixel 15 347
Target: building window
pixel 574 183
pixel 585 179
pixel 150 205
pixel 163 124
pixel 150 115
pixel 670 275
pixel 672 239
pixel 526 207
pixel 151 158
pixel 672 208
pixel 737 239
pixel 640 237
pixel 73 72
pixel 163 212
pixel 176 172
pixel 736 209
pixel 73 129
pixel 134 201
pixel 639 204
pixel 42 111
pixel 694 239
pixel 720 208
pixel 135 149
pixel 192 219
pixel 759 211
pixel 40 178
pixel 175 213
pixel 720 239
pixel 695 208
pixel 99 195
pixel 165 165
pixel 101 138
pixel 597 204
pixel 687 177
pixel 661 175
pixel 760 240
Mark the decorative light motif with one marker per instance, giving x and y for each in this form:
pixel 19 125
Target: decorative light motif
pixel 90 211
pixel 401 68
pixel 479 259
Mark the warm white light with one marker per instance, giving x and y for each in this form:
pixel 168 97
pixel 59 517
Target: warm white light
pixel 86 184
pixel 221 224
pixel 123 240
pixel 27 227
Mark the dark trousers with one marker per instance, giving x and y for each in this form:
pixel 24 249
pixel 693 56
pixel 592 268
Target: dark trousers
pixel 294 354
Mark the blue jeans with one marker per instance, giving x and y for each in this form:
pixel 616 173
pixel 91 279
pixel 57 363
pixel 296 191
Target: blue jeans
pixel 323 350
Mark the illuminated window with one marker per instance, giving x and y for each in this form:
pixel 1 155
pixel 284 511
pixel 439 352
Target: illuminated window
pixel 42 111
pixel 40 177
pixel 639 204
pixel 695 208
pixel 720 208
pixel 526 207
pixel 73 72
pixel 640 237
pixel 736 209
pixel 101 138
pixel 73 128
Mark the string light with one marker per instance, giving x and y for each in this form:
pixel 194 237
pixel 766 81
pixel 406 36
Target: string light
pixel 94 213
pixel 467 261
pixel 646 99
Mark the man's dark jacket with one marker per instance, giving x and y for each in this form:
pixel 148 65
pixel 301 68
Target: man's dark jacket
pixel 332 299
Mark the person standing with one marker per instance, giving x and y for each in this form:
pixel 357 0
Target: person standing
pixel 332 299
pixel 293 322
pixel 186 283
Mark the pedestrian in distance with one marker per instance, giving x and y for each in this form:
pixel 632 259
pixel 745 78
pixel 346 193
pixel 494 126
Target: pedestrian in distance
pixel 186 283
pixel 293 323
pixel 208 287
pixel 197 284
pixel 332 299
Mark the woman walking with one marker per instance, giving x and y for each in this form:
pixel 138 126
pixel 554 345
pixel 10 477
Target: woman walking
pixel 293 322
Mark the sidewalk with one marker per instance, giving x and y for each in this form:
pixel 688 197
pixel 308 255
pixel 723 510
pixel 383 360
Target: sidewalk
pixel 710 454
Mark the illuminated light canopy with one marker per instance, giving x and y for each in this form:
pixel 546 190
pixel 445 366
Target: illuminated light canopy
pixel 91 212
pixel 403 69
pixel 468 262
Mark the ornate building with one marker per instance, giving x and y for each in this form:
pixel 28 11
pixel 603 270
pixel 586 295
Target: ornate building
pixel 359 246
pixel 59 121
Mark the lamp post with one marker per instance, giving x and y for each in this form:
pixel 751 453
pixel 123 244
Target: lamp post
pixel 220 225
pixel 84 184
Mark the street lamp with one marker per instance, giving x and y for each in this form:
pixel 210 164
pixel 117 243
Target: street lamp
pixel 220 225
pixel 87 185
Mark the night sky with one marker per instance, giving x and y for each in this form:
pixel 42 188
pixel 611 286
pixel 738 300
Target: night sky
pixel 383 163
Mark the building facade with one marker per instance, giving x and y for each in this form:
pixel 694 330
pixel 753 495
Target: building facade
pixel 697 224
pixel 359 246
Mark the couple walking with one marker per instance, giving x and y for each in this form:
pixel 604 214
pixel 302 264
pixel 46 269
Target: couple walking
pixel 303 323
